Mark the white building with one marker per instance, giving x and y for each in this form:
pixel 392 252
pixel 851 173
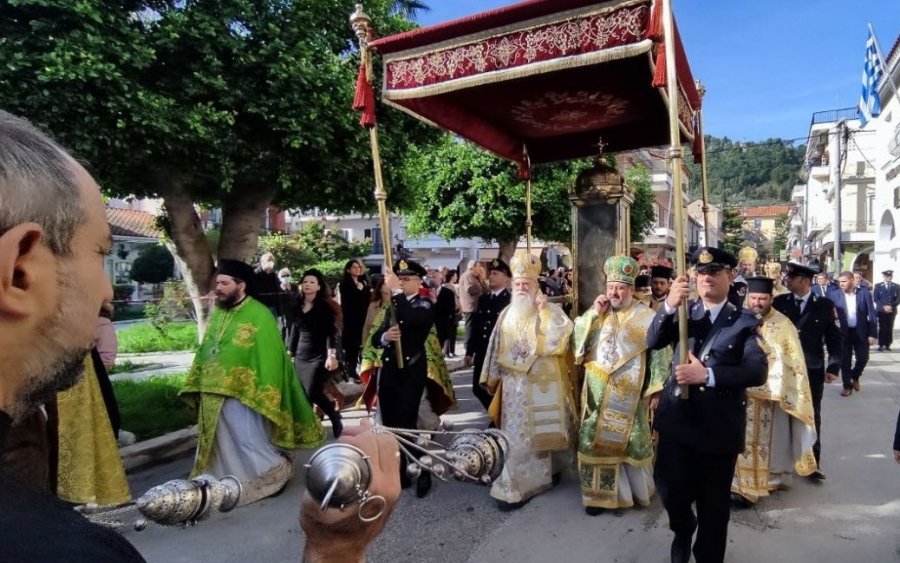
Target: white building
pixel 857 192
pixel 716 218
pixel 659 243
pixel 886 130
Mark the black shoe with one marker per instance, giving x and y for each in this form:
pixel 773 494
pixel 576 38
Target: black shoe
pixel 738 501
pixel 555 478
pixel 817 476
pixel 423 485
pixel 337 427
pixel 881 348
pixel 681 549
pixel 593 510
pixel 510 506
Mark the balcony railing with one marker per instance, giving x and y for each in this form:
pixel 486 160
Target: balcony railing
pixel 835 115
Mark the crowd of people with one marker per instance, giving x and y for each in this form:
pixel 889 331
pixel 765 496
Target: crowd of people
pixel 607 393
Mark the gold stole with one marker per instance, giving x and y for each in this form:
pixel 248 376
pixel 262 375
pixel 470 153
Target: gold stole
pixel 619 363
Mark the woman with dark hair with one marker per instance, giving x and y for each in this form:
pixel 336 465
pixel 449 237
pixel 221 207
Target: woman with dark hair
pixel 354 294
pixel 314 342
pixel 446 311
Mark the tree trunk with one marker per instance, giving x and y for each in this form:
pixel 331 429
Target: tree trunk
pixel 507 249
pixel 242 219
pixel 191 250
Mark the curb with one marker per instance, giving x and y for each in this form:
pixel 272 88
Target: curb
pixel 180 443
pixel 158 450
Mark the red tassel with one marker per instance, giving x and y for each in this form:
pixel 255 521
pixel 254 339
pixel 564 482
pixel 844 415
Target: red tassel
pixel 659 76
pixel 364 99
pixel 655 28
pixel 524 170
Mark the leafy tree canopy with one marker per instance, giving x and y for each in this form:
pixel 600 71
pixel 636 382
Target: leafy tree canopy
pixel 313 247
pixel 463 191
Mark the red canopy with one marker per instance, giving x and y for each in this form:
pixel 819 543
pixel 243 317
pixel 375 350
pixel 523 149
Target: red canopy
pixel 551 76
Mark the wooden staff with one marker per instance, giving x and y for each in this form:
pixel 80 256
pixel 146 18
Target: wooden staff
pixel 674 155
pixel 362 27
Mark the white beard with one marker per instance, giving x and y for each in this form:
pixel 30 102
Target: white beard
pixel 622 303
pixel 522 306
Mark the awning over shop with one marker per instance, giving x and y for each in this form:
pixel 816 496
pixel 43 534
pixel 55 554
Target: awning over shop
pixel 547 76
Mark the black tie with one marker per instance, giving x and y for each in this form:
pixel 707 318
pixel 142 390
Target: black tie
pixel 798 303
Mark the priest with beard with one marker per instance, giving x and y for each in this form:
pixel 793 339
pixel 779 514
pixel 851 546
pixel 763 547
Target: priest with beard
pixel 527 369
pixel 251 405
pixel 615 453
pixel 780 428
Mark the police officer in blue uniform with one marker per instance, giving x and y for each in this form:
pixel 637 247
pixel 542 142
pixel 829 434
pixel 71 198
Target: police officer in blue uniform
pixel 400 389
pixel 887 298
pixel 701 436
pixel 483 320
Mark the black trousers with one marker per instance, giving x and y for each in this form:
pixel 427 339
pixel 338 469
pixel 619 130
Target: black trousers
pixel 398 403
pixel 483 396
pixel 817 389
pixel 684 476
pixel 853 345
pixel 316 391
pixel 886 328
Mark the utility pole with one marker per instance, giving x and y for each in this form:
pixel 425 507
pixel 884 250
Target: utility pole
pixel 837 198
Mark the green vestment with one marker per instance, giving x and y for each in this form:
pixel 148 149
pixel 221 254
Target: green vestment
pixel 242 356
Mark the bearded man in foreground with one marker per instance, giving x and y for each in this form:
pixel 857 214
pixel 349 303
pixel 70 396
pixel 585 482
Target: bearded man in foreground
pixel 615 453
pixel 527 370
pixel 251 405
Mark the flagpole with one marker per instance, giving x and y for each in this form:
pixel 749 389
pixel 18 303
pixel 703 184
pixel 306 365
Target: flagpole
pixel 362 26
pixel 883 62
pixel 674 155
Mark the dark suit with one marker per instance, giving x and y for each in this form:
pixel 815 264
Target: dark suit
pixel 855 339
pixel 400 390
pixel 817 328
pixel 701 437
pixel 897 436
pixel 483 320
pixel 886 294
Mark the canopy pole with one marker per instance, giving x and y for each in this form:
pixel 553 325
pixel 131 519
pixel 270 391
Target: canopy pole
pixel 701 89
pixel 362 26
pixel 528 222
pixel 674 156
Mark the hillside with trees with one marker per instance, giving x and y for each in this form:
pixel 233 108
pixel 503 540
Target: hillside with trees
pixel 749 173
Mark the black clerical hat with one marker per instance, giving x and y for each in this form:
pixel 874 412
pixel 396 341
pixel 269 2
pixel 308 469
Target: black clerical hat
pixel 760 284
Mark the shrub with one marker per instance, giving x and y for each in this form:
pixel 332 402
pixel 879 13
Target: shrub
pixel 144 337
pixel 122 292
pixel 154 264
pixel 151 407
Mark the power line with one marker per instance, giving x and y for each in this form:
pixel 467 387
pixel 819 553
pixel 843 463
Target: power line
pixel 747 146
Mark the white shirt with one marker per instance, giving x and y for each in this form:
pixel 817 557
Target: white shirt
pixel 803 300
pixel 850 301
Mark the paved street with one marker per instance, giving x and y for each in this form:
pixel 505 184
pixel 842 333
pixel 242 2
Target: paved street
pixel 853 516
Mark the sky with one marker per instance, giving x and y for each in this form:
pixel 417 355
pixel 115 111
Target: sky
pixel 768 65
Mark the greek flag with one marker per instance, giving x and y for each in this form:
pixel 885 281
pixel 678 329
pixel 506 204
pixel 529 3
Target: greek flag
pixel 869 104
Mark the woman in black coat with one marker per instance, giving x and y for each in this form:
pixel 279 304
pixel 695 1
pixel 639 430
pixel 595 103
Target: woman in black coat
pixel 314 342
pixel 446 314
pixel 355 294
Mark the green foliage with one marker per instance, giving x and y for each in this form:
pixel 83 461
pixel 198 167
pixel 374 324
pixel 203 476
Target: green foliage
pixel 779 242
pixel 749 173
pixel 732 228
pixel 122 292
pixel 145 337
pixel 129 312
pixel 642 215
pixel 312 247
pixel 462 191
pixel 154 264
pixel 151 407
